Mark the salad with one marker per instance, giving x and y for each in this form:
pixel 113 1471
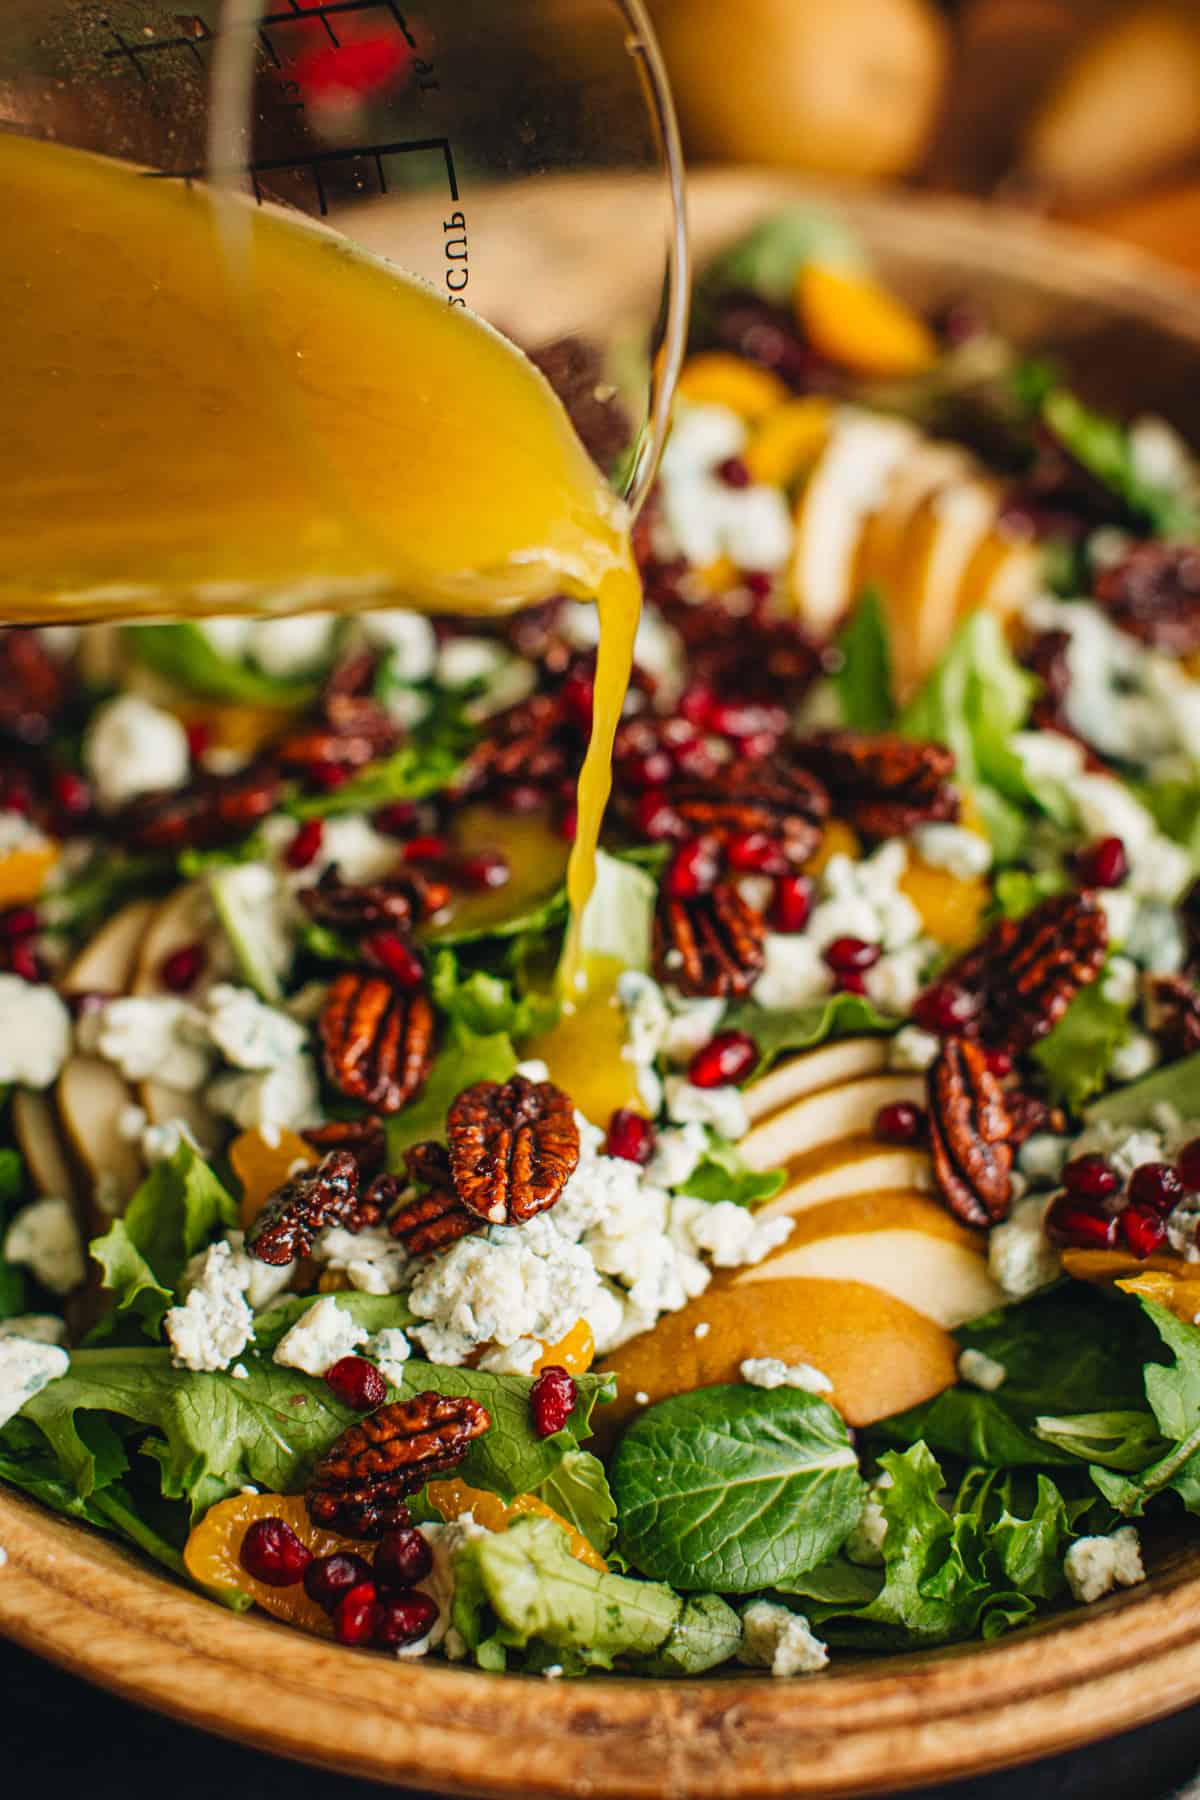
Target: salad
pixel 830 1278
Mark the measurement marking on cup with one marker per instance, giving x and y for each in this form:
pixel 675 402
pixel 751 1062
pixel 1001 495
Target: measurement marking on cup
pixel 197 31
pixel 372 154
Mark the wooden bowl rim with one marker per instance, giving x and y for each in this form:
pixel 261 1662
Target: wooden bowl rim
pixel 866 1726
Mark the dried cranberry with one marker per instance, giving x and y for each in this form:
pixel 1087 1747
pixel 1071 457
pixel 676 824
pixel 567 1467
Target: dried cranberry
pixel 1156 1185
pixel 18 922
pixel 273 1554
pixel 182 968
pixel 429 848
pixel 403 1558
pixel 650 770
pixel 1104 864
pixel 696 759
pixel 578 694
pixel 306 845
pixel 327 1578
pixel 199 738
pixel 482 870
pixel 399 820
pixel 758 746
pixel 357 1383
pixel 1091 1177
pixel 358 1614
pixel 734 473
pixel 327 775
pixel 943 1009
pixel 70 795
pixel 656 818
pixel 694 870
pixel 900 1123
pixel 551 1400
pixel 1188 1166
pixel 404 1618
pixel 729 1057
pixel 792 904
pixel 630 1136
pixel 754 853
pixel 851 956
pixel 1073 1221
pixel 1143 1229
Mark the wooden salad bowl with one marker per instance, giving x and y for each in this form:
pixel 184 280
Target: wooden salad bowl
pixel 1131 330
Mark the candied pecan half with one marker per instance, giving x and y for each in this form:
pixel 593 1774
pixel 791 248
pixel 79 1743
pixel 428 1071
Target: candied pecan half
pixel 212 810
pixel 428 1164
pixel 738 654
pixel 34 686
pixel 1028 1113
pixel 881 783
pixel 524 744
pixel 787 805
pixel 513 1148
pixel 363 1138
pixel 1173 1014
pixel 1027 971
pixel 1154 594
pixel 432 1221
pixel 377 1038
pixel 284 1230
pixel 359 1486
pixel 349 730
pixel 395 902
pixel 712 944
pixel 969 1131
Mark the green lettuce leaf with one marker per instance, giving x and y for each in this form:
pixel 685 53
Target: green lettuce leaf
pixel 802 1028
pixel 376 1312
pixel 1173 1390
pixel 1176 1085
pixel 465 1059
pixel 735 1488
pixel 767 260
pixel 410 773
pixel 577 1489
pixel 1017 891
pixel 485 1004
pixel 618 920
pixel 1104 449
pixel 1075 1058
pixel 103 887
pixel 863 677
pixel 179 1208
pixel 1175 809
pixel 706 1634
pixel 14 1289
pixel 723 1174
pixel 183 654
pixel 1115 1439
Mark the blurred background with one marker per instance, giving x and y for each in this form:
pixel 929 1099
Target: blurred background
pixel 1082 109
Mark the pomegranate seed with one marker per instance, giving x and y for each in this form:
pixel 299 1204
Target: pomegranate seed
pixel 728 1057
pixel 630 1136
pixel 1188 1166
pixel 851 956
pixel 792 903
pixel 358 1614
pixel 696 759
pixel 696 703
pixel 1072 1221
pixel 403 1558
pixel 900 1123
pixel 734 473
pixel 199 737
pixel 754 853
pixel 23 960
pixel 552 1400
pixel 758 746
pixel 693 870
pixel 1090 1177
pixel 483 870
pixel 357 1383
pixel 1104 864
pixel 522 797
pixel 71 794
pixel 758 584
pixel 578 693
pixel 648 771
pixel 744 719
pixel 943 1009
pixel 403 1618
pixel 851 983
pixel 398 958
pixel 18 922
pixel 181 969
pixel 567 823
pixel 326 775
pixel 397 820
pixel 1156 1185
pixel 272 1553
pixel 427 849
pixel 327 1578
pixel 1143 1229
pixel 656 818
pixel 999 1063
pixel 305 845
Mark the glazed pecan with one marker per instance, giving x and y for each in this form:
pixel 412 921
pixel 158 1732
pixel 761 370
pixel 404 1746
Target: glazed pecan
pixel 1027 971
pixel 513 1148
pixel 881 783
pixel 434 1220
pixel 1028 1113
pixel 33 687
pixel 1154 594
pixel 1173 1014
pixel 712 944
pixel 284 1230
pixel 348 731
pixel 212 810
pixel 787 805
pixel 427 1164
pixel 969 1131
pixel 363 1138
pixel 524 744
pixel 359 1486
pixel 377 1039
pixel 396 902
pixel 734 651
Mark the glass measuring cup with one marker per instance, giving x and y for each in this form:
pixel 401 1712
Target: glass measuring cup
pixel 473 143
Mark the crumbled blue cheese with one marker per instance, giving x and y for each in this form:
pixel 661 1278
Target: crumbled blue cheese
pixel 865 1543
pixel 36 1038
pixel 250 1034
pixel 287 1098
pixel 132 747
pixel 158 1143
pixel 963 854
pixel 1135 1057
pixel 773 1372
pixel 913 1049
pixel 38 1328
pixel 721 1108
pixel 261 1282
pixel 372 1260
pixel 702 517
pixel 520 1358
pixel 296 645
pixel 154 1038
pixel 1095 1566
pixel 981 1371
pixel 320 1338
pixel 360 852
pixel 214 1323
pixel 409 638
pixel 727 1234
pixel 1041 1157
pixel 26 1367
pixel 678 1152
pixel 17 832
pixel 775 1638
pixel 1021 1258
pixel 657 649
pixel 44 1237
pixel 391 1349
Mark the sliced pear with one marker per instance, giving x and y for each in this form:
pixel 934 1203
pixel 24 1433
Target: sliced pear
pixel 840 1112
pixel 39 1139
pixel 105 964
pixel 881 1355
pixel 930 467
pixel 185 917
pixel 944 534
pixel 816 1069
pixel 1002 577
pixel 904 1244
pixel 849 1167
pixel 91 1098
pixel 846 486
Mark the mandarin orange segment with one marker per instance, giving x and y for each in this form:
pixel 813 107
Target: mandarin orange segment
pixel 789 440
pixel 718 378
pixel 574 1353
pixel 857 324
pixel 263 1164
pixel 951 908
pixel 23 873
pixel 453 1498
pixel 211 1554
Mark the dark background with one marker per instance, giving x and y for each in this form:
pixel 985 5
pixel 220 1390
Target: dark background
pixel 69 1737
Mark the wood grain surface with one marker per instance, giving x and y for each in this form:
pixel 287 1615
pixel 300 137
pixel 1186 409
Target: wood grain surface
pixel 866 1726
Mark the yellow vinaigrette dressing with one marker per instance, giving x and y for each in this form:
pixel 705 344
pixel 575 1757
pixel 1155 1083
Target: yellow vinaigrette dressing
pixel 326 432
